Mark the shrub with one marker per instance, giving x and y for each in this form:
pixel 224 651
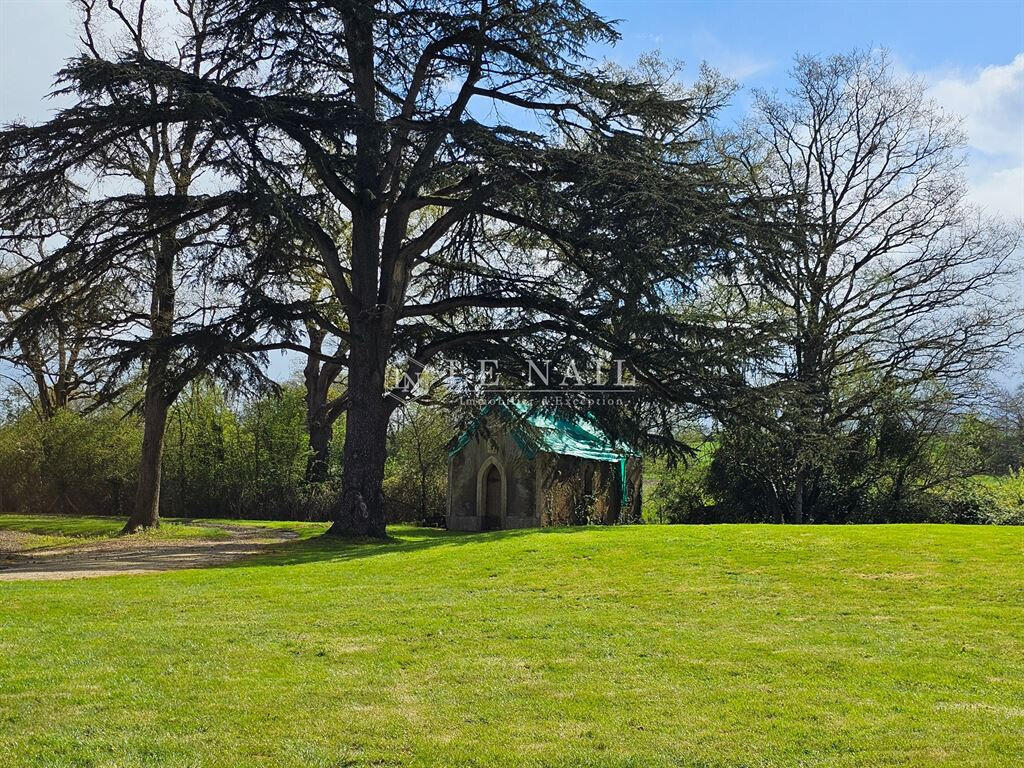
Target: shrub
pixel 970 501
pixel 680 493
pixel 70 463
pixel 416 473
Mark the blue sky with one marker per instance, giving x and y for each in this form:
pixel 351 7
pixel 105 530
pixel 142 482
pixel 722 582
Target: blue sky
pixel 970 53
pixel 749 40
pixel 757 40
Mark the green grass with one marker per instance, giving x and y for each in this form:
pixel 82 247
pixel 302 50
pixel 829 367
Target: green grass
pixel 642 646
pixel 61 530
pixel 302 530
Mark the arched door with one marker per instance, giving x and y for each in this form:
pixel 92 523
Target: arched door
pixel 492 500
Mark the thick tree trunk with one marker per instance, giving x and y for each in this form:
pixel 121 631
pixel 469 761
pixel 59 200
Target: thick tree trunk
pixel 146 512
pixel 361 512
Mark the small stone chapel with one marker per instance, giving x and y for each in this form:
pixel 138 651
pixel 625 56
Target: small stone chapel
pixel 516 467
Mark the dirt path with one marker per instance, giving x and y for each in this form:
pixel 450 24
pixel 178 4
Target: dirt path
pixel 107 557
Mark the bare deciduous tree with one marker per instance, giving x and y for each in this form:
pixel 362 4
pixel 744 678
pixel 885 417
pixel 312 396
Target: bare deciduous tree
pixel 894 282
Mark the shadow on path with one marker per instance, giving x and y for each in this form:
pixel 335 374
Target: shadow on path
pixel 131 555
pixel 245 546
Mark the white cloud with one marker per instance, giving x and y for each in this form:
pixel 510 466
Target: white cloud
pixel 734 64
pixel 992 104
pixel 1000 191
pixel 991 101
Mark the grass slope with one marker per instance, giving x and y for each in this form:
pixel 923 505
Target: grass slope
pixel 642 646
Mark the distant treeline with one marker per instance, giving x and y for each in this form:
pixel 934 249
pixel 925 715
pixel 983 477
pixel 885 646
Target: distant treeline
pixel 230 457
pixel 222 458
pixel 884 471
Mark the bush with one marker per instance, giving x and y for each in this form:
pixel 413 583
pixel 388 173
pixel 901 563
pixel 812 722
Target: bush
pixel 248 462
pixel 416 473
pixel 727 483
pixel 971 501
pixel 964 502
pixel 681 494
pixel 70 464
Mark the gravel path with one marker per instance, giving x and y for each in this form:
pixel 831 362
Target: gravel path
pixel 127 554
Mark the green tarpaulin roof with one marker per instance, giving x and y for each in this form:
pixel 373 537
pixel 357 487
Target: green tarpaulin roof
pixel 536 432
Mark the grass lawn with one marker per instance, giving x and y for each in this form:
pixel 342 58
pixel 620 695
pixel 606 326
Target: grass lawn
pixel 628 646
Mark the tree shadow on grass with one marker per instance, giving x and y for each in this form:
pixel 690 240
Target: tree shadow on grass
pixel 328 548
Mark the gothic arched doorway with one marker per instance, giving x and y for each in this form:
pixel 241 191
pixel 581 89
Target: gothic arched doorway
pixel 492 499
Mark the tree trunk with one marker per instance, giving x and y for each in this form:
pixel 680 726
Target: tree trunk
pixel 146 512
pixel 320 434
pixel 798 500
pixel 361 512
pixel 317 427
pixel 321 412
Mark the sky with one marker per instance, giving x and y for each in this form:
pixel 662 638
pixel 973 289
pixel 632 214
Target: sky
pixel 971 54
